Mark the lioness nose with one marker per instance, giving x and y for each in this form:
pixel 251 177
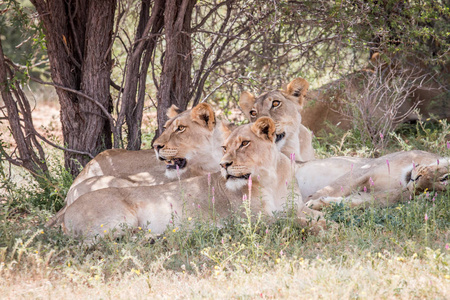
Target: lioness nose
pixel 226 164
pixel 158 147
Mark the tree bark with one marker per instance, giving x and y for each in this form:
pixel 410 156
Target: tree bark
pixel 175 77
pixel 78 39
pixel 136 73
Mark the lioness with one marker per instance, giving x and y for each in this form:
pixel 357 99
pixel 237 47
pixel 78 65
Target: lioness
pixel 191 142
pixel 283 106
pixel 250 150
pixel 386 180
pixel 190 146
pixel 316 174
pixel 330 103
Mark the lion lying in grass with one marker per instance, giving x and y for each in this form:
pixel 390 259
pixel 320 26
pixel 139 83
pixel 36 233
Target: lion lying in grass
pixel 284 107
pixel 250 150
pixel 386 180
pixel 195 150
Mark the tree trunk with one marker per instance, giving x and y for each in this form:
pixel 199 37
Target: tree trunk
pixel 79 37
pixel 136 73
pixel 176 70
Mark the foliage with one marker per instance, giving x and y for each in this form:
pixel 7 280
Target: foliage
pixel 24 193
pixel 22 37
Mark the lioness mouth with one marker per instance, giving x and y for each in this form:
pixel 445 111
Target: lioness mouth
pixel 279 137
pixel 245 176
pixel 172 164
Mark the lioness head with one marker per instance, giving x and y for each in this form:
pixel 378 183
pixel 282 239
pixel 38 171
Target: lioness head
pixel 283 106
pixel 434 177
pixel 188 140
pixel 249 150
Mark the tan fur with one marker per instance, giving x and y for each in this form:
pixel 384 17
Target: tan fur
pixel 203 114
pixel 153 207
pixel 200 144
pixel 288 121
pixel 119 161
pixel 195 137
pixel 172 112
pixel 385 180
pixel 265 129
pixel 316 174
pixel 325 105
pixel 200 141
pixel 298 88
pixel 432 177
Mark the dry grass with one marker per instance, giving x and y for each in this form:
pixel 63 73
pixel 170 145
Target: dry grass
pixel 384 276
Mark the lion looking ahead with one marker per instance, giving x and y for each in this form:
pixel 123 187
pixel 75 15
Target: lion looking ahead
pixel 284 107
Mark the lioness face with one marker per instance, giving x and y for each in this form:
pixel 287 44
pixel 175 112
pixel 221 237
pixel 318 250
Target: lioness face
pixel 186 136
pixel 434 177
pixel 282 106
pixel 248 150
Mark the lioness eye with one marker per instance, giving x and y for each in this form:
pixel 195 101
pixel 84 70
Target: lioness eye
pixel 224 149
pixel 181 128
pixel 417 178
pixel 245 143
pixel 276 103
pixel 253 113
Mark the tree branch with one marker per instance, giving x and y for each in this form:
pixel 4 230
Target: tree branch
pixel 103 109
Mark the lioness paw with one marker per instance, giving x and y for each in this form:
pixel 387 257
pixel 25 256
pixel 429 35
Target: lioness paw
pixel 317 204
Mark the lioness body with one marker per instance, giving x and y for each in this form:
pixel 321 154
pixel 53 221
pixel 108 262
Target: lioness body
pixel 328 105
pixel 249 151
pixel 149 207
pixel 315 175
pixel 199 145
pixel 284 107
pixel 325 172
pixel 125 162
pixel 385 180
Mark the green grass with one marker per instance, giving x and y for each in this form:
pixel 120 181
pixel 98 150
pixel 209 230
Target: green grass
pixel 370 254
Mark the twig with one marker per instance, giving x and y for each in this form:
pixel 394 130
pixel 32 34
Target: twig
pixel 103 109
pixel 60 147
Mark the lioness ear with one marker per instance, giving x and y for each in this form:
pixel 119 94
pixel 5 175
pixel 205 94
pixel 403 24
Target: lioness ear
pixel 297 89
pixel 173 111
pixel 246 102
pixel 264 128
pixel 203 114
pixel 227 127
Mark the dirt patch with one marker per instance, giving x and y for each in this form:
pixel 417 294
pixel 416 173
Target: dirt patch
pixel 45 113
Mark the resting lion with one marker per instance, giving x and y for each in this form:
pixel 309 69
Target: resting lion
pixel 249 151
pixel 326 105
pixel 386 180
pixel 196 150
pixel 284 107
